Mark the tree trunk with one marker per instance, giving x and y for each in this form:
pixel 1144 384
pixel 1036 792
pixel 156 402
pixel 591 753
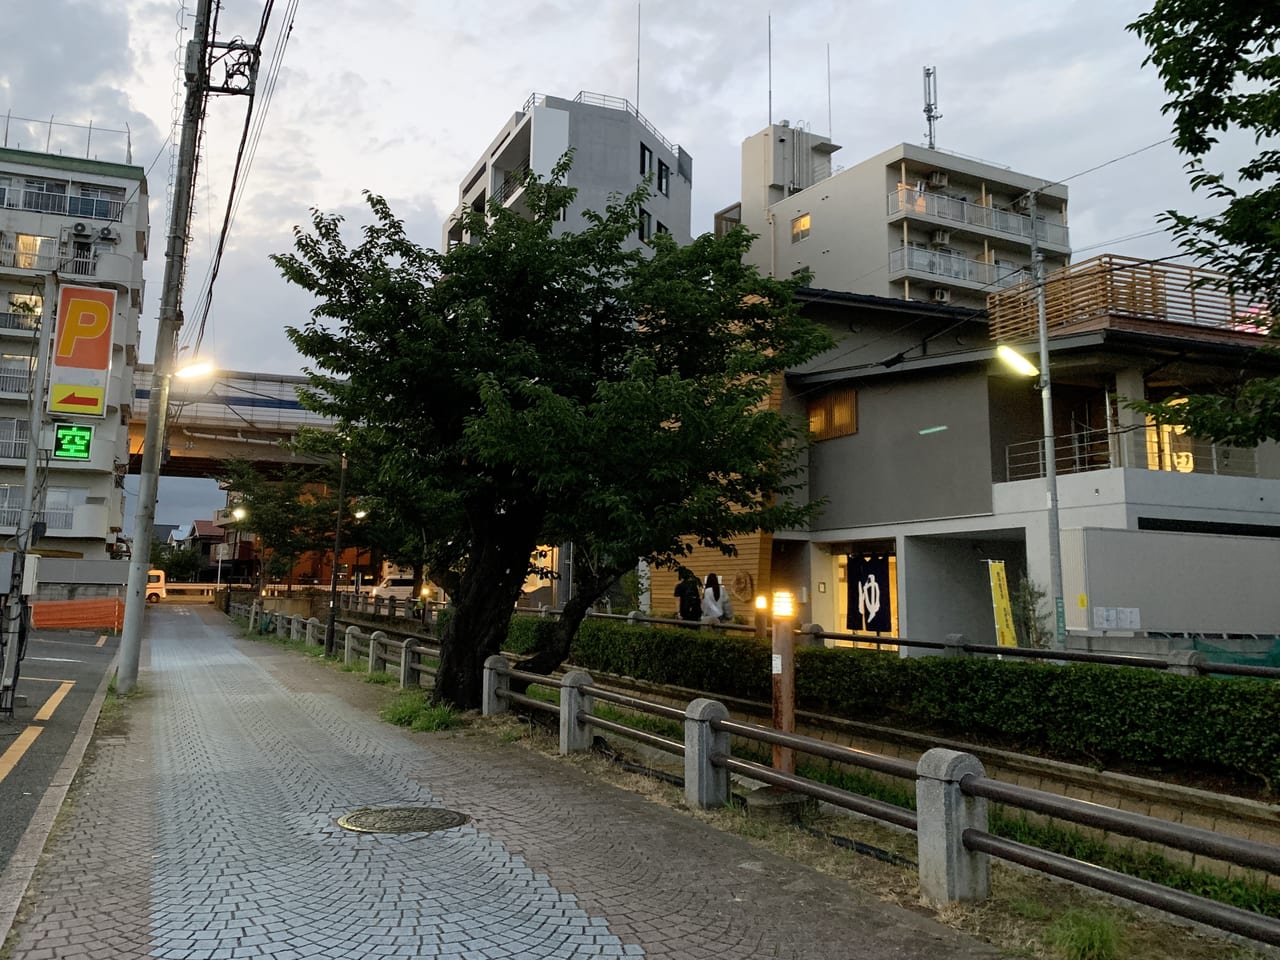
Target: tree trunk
pixel 548 658
pixel 486 600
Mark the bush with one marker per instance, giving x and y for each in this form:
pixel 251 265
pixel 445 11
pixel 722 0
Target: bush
pixel 1080 712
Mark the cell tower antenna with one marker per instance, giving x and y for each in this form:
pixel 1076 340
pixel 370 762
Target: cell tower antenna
pixel 769 22
pixel 931 113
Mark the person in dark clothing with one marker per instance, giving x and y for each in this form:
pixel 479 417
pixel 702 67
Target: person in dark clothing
pixel 690 595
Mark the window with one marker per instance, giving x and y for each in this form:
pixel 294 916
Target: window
pixel 13 438
pixel 60 506
pixel 35 253
pixel 800 228
pixel 646 226
pixel 662 227
pixel 98 203
pixel 646 161
pixel 8 198
pixel 15 373
pixel 834 414
pixel 47 196
pixel 664 179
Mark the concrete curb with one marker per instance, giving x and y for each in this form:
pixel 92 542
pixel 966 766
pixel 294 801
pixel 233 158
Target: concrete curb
pixel 15 879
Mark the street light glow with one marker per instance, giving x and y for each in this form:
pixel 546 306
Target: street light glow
pixel 194 370
pixel 1017 361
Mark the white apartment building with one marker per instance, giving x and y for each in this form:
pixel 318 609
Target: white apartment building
pixel 615 149
pixel 910 223
pixel 86 220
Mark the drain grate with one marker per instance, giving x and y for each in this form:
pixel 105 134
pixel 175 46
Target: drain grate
pixel 401 819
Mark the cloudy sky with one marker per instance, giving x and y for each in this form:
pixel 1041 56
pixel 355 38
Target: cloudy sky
pixel 400 97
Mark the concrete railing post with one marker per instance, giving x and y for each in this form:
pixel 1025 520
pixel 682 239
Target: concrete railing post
pixel 315 632
pixel 410 660
pixel 377 652
pixel 949 873
pixel 349 646
pixel 575 735
pixel 255 610
pixel 497 684
pixel 1185 663
pixel 706 785
pixel 295 627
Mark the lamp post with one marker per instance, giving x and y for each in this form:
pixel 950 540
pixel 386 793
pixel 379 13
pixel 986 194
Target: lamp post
pixel 337 554
pixel 784 678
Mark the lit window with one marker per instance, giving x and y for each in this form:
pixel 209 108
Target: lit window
pixel 800 228
pixel 834 414
pixel 664 179
pixel 646 161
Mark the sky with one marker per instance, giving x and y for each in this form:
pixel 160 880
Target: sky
pixel 400 97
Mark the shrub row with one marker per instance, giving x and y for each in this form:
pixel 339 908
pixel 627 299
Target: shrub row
pixel 1103 715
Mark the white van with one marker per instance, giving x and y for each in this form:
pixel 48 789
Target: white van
pixel 399 588
pixel 155 586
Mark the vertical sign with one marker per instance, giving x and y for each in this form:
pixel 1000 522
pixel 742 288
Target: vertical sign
pixel 81 360
pixel 870 598
pixel 1006 636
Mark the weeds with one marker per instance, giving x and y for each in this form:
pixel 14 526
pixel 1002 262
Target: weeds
pixel 411 709
pixel 1081 934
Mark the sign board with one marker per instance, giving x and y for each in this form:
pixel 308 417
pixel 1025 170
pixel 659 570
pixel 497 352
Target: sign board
pixel 72 441
pixel 81 363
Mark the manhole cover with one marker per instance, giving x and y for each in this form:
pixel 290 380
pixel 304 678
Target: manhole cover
pixel 401 820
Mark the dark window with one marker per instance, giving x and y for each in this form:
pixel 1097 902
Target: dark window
pixel 646 226
pixel 664 179
pixel 646 161
pixel 662 227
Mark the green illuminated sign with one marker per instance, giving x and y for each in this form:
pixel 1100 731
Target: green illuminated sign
pixel 71 441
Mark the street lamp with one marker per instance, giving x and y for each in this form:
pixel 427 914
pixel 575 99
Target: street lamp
pixel 337 554
pixel 237 514
pixel 784 677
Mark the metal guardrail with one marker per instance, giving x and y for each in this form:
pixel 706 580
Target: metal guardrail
pixel 953 843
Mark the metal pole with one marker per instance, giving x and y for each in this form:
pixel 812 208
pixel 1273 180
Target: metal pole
pixel 166 336
pixel 15 609
pixel 329 645
pixel 1050 453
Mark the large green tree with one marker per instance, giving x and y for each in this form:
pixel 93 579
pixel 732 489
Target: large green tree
pixel 535 385
pixel 286 518
pixel 1219 61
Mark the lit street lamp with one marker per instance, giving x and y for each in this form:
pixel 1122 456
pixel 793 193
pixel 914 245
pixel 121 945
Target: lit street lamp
pixel 337 554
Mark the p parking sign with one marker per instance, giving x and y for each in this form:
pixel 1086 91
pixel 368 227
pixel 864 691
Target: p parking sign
pixel 72 441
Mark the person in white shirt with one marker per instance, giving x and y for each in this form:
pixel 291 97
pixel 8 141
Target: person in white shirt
pixel 713 600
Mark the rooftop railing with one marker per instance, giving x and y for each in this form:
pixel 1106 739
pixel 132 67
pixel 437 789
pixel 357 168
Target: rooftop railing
pixel 1149 448
pixel 1127 288
pixel 612 103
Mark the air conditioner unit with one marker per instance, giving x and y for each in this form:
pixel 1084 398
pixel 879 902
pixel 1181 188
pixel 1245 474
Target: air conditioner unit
pixel 941 295
pixel 938 178
pixel 106 233
pixel 80 229
pixel 940 238
pixel 65 234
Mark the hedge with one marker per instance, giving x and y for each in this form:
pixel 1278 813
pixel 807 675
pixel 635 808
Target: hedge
pixel 1103 715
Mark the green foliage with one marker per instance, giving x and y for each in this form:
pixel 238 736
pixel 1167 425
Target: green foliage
pixel 1069 712
pixel 180 564
pixel 1031 619
pixel 411 709
pixel 1080 934
pixel 283 513
pixel 381 677
pixel 534 385
pixel 1220 65
pixel 436 717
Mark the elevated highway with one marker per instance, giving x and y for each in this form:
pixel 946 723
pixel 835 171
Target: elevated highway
pixel 233 416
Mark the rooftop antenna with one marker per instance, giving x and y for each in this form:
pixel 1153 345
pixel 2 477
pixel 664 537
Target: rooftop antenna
pixel 637 56
pixel 931 113
pixel 770 22
pixel 830 130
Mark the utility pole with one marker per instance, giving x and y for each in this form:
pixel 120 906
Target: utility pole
pixel 241 67
pixel 15 611
pixel 1050 451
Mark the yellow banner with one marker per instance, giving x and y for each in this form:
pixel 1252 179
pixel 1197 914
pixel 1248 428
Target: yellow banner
pixel 1006 636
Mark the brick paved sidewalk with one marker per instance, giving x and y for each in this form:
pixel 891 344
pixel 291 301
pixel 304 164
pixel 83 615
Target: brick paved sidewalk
pixel 209 832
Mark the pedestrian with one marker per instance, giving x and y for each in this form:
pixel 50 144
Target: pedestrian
pixel 713 599
pixel 690 601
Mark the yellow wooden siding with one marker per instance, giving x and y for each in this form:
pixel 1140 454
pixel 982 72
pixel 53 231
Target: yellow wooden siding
pixel 745 575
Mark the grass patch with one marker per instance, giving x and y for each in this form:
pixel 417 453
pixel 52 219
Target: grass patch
pixel 381 677
pixel 410 709
pixel 1082 934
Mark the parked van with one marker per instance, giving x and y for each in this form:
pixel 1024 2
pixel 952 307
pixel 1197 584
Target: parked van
pixel 155 586
pixel 399 588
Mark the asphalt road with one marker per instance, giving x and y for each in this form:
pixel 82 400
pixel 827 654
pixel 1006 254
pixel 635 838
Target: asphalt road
pixel 61 673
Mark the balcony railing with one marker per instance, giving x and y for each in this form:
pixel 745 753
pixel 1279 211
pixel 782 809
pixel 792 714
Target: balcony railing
pixel 1128 289
pixel 1143 449
pixel 10 256
pixel 952 210
pixel 19 321
pixel 952 266
pixel 91 208
pixel 54 519
pixel 15 381
pixel 511 181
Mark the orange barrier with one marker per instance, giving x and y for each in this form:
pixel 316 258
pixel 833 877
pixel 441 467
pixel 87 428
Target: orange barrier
pixel 78 613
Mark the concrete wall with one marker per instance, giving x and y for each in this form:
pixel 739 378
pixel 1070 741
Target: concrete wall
pixel 1176 581
pixel 888 471
pixel 946 588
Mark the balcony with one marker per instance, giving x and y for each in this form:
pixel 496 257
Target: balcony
pixel 951 267
pixel 38 201
pixel 511 182
pixel 1162 449
pixel 26 322
pixel 1126 293
pixel 44 262
pixel 949 211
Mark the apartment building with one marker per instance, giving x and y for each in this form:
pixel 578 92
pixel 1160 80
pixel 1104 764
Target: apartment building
pixel 84 222
pixel 912 223
pixel 615 148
